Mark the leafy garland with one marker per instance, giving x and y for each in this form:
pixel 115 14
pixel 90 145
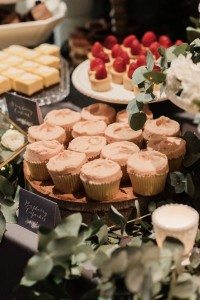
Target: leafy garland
pixel 154 73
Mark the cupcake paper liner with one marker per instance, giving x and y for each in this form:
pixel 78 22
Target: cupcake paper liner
pixel 101 192
pixel 38 171
pixel 148 185
pixel 67 184
pixel 175 163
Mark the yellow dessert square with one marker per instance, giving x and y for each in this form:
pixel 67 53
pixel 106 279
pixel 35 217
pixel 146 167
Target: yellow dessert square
pixel 28 84
pixel 5 85
pixel 13 60
pixel 3 55
pixel 15 49
pixel 49 60
pixel 29 54
pixel 29 66
pixel 12 73
pixel 48 49
pixel 49 75
pixel 3 66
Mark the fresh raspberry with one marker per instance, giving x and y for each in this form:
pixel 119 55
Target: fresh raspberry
pixel 154 49
pixel 178 42
pixel 165 41
pixel 116 50
pixel 96 48
pixel 128 40
pixel 103 56
pixel 141 61
pixel 95 63
pixel 119 65
pixel 125 57
pixel 110 41
pixel 143 51
pixel 101 72
pixel 136 47
pixel 148 38
pixel 133 66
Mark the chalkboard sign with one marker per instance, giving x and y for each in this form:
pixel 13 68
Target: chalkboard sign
pixel 36 211
pixel 23 111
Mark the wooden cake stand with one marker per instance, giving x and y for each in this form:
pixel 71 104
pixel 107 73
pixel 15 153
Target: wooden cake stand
pixel 125 201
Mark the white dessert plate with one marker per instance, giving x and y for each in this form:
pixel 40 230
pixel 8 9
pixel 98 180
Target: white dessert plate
pixel 117 94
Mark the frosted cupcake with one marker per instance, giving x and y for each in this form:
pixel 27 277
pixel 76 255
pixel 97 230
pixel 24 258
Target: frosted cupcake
pixel 101 179
pixel 117 132
pixel 99 111
pixel 64 169
pixel 122 115
pixel 65 118
pixel 173 147
pixel 89 128
pixel 160 127
pixel 120 152
pixel 38 154
pixel 46 132
pixel 91 146
pixel 148 172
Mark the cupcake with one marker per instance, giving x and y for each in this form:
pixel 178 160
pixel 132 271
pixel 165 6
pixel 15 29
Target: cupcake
pixel 89 128
pixel 38 154
pixel 173 147
pixel 148 172
pixel 64 169
pixel 122 115
pixel 65 118
pixel 160 127
pixel 46 132
pixel 117 132
pixel 90 145
pixel 99 111
pixel 101 179
pixel 120 152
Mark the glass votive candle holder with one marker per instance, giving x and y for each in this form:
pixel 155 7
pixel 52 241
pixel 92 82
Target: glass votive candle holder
pixel 178 221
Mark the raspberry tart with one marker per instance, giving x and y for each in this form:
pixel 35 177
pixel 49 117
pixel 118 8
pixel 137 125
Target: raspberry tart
pixel 100 81
pixel 118 70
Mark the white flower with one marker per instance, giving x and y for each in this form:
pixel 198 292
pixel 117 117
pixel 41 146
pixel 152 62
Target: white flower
pixel 12 139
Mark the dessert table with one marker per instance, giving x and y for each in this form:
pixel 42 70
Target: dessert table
pixel 18 243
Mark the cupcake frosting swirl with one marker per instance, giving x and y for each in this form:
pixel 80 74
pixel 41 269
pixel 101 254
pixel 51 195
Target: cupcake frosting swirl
pixel 63 117
pixel 46 132
pixel 99 111
pixel 42 151
pixel 100 171
pixel 172 147
pixel 148 163
pixel 119 151
pixel 122 132
pixel 66 162
pixel 89 128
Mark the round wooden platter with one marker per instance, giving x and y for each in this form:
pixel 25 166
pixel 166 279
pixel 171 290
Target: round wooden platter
pixel 124 201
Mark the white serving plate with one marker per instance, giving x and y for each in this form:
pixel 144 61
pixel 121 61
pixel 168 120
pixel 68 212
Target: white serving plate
pixel 117 94
pixel 30 33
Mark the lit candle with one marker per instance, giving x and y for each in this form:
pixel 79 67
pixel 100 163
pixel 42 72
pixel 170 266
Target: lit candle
pixel 178 221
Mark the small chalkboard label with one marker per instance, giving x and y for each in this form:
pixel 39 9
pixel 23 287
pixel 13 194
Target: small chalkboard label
pixel 36 211
pixel 23 111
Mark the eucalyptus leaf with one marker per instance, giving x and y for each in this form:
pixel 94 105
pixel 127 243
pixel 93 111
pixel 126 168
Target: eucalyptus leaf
pixel 9 212
pixel 103 235
pixel 69 226
pixel 155 76
pixel 138 75
pixel 134 278
pixel 137 120
pixel 38 267
pixel 45 236
pixel 183 290
pixel 2 225
pixel 134 106
pixel 63 246
pixel 116 265
pixel 117 218
pixel 144 97
pixel 181 49
pixel 91 295
pixel 150 61
pixel 177 180
pixel 6 188
pixel 174 245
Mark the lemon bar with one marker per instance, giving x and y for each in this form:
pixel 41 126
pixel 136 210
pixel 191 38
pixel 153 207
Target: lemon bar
pixel 12 73
pixel 3 55
pixel 29 54
pixel 49 75
pixel 15 49
pixel 48 49
pixel 49 61
pixel 3 66
pixel 13 60
pixel 28 84
pixel 29 66
pixel 5 85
